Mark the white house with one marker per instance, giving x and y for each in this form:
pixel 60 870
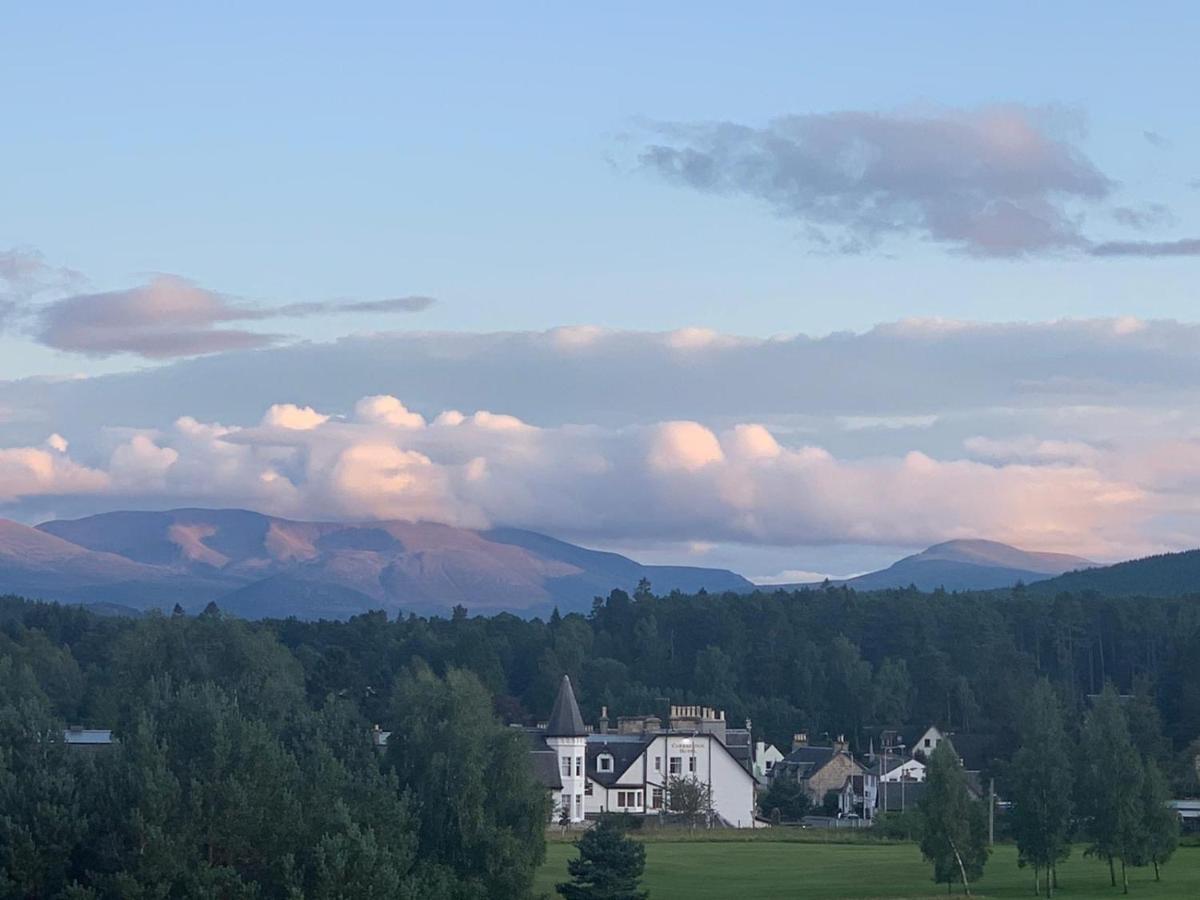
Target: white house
pixel 928 742
pixel 630 771
pixel 765 757
pixel 907 770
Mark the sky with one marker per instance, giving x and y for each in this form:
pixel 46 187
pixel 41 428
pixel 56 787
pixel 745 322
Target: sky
pixel 791 288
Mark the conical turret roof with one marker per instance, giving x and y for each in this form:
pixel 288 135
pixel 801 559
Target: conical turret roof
pixel 565 719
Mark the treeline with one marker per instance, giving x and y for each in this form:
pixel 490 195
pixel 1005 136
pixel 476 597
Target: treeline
pixel 1102 791
pixel 245 757
pixel 827 661
pixel 231 778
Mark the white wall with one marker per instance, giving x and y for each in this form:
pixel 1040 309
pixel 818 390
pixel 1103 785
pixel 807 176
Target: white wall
pixel 909 770
pixel 572 764
pixel 732 786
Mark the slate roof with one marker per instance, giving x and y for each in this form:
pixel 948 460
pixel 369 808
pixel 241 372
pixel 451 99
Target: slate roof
pixel 974 749
pixel 565 718
pixel 623 751
pixel 805 761
pixel 737 742
pixel 545 768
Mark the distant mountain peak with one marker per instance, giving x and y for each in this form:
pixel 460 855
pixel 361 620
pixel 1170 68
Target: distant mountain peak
pixel 982 552
pixel 257 565
pixel 969 564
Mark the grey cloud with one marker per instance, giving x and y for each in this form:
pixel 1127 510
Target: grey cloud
pixel 617 378
pixel 24 274
pixel 1156 139
pixel 992 182
pixel 171 317
pixel 415 303
pixel 1120 395
pixel 1148 215
pixel 1182 247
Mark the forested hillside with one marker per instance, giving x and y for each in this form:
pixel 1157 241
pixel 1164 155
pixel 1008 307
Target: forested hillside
pixel 244 757
pixel 234 776
pixel 1164 575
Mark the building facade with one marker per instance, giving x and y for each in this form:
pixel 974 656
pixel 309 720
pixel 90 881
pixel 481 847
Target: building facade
pixel 632 770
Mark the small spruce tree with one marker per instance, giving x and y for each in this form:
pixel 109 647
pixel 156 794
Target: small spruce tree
pixel 609 865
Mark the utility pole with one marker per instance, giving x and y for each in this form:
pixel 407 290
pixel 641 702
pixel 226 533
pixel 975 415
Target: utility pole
pixel 991 812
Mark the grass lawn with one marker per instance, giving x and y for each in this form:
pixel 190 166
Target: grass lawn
pixel 763 869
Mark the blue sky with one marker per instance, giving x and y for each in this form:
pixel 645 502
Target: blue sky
pixel 489 157
pixel 473 153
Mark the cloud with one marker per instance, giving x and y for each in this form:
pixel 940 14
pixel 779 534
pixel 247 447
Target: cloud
pixel 1074 435
pixel 24 274
pixel 1183 247
pixel 391 305
pixel 167 317
pixel 45 471
pixel 996 181
pixel 293 418
pixel 384 410
pixel 668 481
pixel 1148 215
pixel 1155 139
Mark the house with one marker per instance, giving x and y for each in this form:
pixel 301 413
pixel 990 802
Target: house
pixel 765 757
pixel 904 770
pixel 822 770
pixel 923 746
pixel 592 771
pixel 379 738
pixel 87 739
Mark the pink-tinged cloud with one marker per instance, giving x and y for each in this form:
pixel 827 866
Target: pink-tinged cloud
pixel 674 481
pixel 45 472
pixel 172 317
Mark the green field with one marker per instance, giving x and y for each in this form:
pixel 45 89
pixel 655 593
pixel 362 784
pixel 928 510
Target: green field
pixel 764 869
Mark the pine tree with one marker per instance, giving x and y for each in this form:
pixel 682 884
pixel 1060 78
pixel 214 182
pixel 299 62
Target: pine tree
pixel 1041 814
pixel 954 837
pixel 1111 783
pixel 609 866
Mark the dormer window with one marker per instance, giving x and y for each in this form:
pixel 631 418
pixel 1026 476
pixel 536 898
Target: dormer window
pixel 604 762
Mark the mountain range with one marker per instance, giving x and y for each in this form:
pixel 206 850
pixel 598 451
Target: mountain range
pixel 258 566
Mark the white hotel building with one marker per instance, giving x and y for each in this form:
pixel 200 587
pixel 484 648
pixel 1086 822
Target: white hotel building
pixel 592 771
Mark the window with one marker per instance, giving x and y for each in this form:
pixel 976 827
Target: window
pixel 566 766
pixel 566 803
pixel 675 765
pixel 927 742
pixel 579 765
pixel 656 798
pixel 770 764
pixel 658 764
pixel 579 805
pixel 629 799
pixel 691 764
pixel 587 789
pixel 604 763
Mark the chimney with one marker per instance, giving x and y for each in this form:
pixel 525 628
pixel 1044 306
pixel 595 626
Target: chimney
pixel 603 724
pixel 799 739
pixel 841 743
